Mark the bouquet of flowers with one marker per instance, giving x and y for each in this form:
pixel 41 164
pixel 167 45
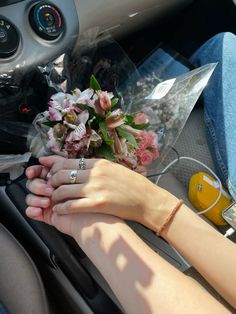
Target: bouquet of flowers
pixel 85 124
pixel 137 130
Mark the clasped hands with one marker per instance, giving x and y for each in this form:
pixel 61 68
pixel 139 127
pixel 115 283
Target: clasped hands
pixel 103 187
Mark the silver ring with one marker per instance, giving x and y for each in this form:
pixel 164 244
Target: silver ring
pixel 82 164
pixel 73 176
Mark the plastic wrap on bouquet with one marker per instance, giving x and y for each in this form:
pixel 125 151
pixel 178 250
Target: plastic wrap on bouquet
pixel 101 56
pixel 168 104
pixel 143 90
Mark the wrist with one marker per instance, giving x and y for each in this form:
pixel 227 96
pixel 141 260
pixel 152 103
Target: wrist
pixel 158 208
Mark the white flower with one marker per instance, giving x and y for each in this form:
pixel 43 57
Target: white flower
pixel 61 102
pixel 83 117
pixel 84 97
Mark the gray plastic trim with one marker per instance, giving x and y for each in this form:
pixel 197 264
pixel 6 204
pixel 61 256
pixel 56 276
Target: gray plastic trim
pixel 34 50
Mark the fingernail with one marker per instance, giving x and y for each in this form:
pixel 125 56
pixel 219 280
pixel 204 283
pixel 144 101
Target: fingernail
pixel 45 202
pixel 33 211
pixel 54 209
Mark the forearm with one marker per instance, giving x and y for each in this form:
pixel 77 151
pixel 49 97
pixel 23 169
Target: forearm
pixel 142 280
pixel 213 255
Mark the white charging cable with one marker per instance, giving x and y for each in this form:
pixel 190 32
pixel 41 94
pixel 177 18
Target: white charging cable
pixel 229 232
pixel 203 165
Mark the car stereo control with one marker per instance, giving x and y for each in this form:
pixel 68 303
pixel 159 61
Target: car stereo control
pixel 9 39
pixel 46 20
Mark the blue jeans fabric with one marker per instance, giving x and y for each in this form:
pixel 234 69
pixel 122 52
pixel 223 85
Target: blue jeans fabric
pixel 220 104
pixel 2 309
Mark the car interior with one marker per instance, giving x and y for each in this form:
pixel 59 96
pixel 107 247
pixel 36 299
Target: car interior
pixel 42 270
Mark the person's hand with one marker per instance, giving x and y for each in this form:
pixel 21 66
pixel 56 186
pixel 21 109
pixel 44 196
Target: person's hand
pixel 40 203
pixel 108 188
pixel 41 188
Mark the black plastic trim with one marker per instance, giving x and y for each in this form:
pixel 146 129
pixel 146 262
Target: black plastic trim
pixel 4 3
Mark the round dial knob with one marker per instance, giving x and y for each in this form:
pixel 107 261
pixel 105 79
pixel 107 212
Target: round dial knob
pixel 9 39
pixel 46 20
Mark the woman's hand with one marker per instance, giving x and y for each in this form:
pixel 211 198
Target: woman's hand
pixel 41 188
pixel 108 188
pixel 40 203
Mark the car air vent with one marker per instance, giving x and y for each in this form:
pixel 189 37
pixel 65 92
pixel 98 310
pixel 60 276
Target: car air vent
pixel 9 39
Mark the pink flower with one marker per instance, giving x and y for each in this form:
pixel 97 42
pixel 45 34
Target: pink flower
pixel 141 118
pixel 77 134
pixel 115 119
pixel 67 102
pixel 83 117
pixel 53 144
pixel 95 140
pixel 147 139
pixel 143 140
pixel 77 147
pixel 84 97
pixel 117 143
pixel 61 101
pixel 146 158
pixel 78 127
pixel 133 131
pixel 105 101
pixel 54 114
pixel 73 136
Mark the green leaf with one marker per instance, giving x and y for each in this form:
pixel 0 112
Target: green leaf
pixel 129 119
pixel 104 131
pixel 106 152
pixel 128 136
pixel 82 106
pixel 94 83
pixel 90 110
pixel 51 124
pixel 114 101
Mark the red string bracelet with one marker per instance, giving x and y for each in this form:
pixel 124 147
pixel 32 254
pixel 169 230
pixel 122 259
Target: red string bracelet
pixel 170 217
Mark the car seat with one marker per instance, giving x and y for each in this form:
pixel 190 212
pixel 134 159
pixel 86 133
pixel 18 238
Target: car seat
pixel 21 288
pixel 192 142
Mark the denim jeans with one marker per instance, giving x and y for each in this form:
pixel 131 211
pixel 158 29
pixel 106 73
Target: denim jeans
pixel 2 309
pixel 220 104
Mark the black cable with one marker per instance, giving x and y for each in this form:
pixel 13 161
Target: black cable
pixel 169 169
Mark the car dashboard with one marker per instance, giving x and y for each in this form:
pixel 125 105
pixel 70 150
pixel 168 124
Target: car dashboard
pixel 36 32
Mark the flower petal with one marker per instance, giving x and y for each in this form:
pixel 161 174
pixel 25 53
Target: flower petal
pixel 83 117
pixel 78 133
